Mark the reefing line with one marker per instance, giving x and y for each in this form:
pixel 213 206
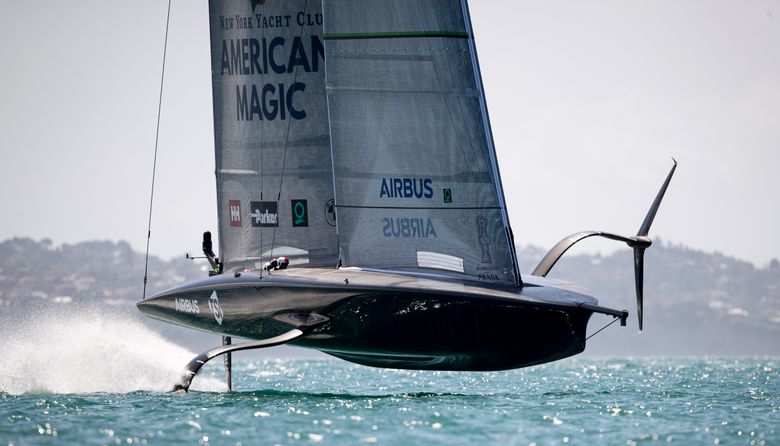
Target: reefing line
pixel 156 141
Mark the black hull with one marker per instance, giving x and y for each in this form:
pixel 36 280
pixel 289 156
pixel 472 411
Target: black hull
pixel 437 333
pixel 420 324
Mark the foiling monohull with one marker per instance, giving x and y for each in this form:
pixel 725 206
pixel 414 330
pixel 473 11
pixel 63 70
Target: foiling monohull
pixel 353 144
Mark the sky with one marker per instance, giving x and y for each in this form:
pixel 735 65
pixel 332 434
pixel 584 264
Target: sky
pixel 588 102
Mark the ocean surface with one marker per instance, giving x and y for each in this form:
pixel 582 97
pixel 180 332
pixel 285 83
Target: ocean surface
pixel 103 380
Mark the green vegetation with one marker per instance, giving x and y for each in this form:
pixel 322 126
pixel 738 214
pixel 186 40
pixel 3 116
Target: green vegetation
pixel 695 302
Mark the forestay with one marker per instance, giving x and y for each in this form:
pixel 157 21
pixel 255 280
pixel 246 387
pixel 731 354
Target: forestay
pixel 273 160
pixel 416 180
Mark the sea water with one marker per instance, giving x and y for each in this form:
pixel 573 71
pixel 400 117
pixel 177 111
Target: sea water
pixel 103 379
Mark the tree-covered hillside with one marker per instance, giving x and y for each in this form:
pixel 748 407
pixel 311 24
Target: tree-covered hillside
pixel 695 302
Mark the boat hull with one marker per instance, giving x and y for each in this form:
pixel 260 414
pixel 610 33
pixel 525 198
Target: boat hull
pixel 414 324
pixel 430 332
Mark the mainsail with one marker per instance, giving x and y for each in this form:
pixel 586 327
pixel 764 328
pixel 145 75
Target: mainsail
pixel 273 159
pixel 391 166
pixel 416 179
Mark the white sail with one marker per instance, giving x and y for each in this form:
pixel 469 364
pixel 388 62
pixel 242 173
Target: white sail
pixel 273 160
pixel 416 180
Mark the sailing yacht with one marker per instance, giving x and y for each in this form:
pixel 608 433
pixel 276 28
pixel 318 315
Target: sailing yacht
pixel 361 211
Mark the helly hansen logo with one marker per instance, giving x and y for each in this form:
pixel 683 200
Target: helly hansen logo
pixel 235 212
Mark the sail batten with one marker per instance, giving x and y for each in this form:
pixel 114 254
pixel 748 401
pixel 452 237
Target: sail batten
pixel 397 35
pixel 454 208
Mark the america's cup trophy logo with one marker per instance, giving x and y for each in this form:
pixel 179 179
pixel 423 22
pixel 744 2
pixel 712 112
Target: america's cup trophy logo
pixel 484 240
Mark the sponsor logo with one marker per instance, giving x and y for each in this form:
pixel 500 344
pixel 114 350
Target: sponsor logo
pixel 330 212
pixel 187 305
pixel 406 188
pixel 300 213
pixel 235 212
pixel 484 240
pixel 264 213
pixel 447 193
pixel 216 310
pixel 408 227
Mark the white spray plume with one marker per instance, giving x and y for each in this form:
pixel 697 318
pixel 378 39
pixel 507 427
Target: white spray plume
pixel 86 349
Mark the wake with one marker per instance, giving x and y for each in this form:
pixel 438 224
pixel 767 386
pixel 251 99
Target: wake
pixel 88 349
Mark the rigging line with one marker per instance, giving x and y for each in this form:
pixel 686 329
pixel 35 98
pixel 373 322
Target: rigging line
pixel 603 328
pixel 156 141
pixel 262 149
pixel 287 138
